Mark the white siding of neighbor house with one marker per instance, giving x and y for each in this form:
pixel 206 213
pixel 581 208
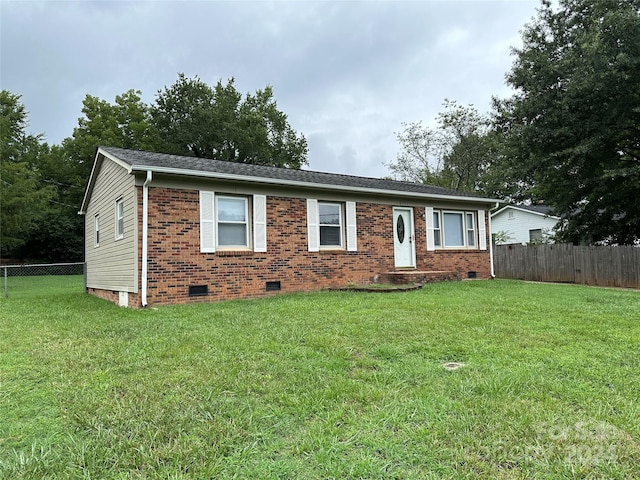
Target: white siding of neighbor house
pixel 520 224
pixel 113 264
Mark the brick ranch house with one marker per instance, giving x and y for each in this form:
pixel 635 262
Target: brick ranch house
pixel 164 229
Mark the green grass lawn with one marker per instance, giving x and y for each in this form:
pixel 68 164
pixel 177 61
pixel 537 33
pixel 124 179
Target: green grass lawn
pixel 327 385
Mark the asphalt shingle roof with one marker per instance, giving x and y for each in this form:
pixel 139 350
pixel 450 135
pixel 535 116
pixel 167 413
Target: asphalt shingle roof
pixel 140 160
pixel 544 209
pixel 539 209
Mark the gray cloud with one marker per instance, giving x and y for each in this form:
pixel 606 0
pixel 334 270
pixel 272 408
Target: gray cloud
pixel 346 73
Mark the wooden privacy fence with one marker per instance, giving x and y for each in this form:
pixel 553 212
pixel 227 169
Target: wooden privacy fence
pixel 603 266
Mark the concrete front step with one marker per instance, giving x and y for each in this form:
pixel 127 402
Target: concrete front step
pixel 400 277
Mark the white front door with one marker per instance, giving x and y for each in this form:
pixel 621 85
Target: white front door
pixel 403 237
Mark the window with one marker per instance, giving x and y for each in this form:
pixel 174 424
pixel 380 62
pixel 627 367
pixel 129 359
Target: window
pixel 96 223
pixel 226 222
pixel 331 225
pixel 452 229
pixel 437 232
pixel 330 222
pixel 535 235
pixel 232 227
pixel 119 218
pixel 471 230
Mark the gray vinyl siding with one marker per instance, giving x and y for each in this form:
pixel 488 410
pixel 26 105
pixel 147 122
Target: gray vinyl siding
pixel 113 264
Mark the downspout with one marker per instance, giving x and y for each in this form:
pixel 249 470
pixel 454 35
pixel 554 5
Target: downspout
pixel 145 235
pixel 493 273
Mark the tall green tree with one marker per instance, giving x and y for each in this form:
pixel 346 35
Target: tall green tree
pixel 59 238
pixel 123 124
pixel 419 159
pixel 453 155
pixel 23 204
pixel 192 118
pixel 466 145
pixel 572 129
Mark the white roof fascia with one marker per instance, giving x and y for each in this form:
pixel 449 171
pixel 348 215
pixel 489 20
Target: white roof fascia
pixel 295 183
pixel 515 207
pixel 89 186
pixel 499 211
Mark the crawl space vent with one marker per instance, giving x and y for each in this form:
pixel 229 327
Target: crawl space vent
pixel 198 290
pixel 272 286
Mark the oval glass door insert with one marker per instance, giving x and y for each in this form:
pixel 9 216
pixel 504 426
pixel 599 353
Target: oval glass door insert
pixel 400 229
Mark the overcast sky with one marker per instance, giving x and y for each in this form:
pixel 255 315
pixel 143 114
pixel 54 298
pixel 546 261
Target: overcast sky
pixel 347 74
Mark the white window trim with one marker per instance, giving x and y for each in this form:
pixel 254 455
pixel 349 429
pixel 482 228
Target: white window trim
pixel 340 226
pixel 259 223
pixel 348 226
pixel 207 222
pixel 119 233
pixel 473 229
pixel 246 222
pixel 256 221
pixel 462 214
pixel 313 229
pixel 428 215
pixel 478 228
pixel 437 232
pixel 96 230
pixel 352 227
pixel 482 230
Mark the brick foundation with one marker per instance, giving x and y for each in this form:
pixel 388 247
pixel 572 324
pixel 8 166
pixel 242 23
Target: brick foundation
pixel 134 299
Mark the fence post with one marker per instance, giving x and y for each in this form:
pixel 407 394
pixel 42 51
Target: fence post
pixel 6 290
pixel 84 272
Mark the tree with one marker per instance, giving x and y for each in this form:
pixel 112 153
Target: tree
pixel 465 135
pixel 59 237
pixel 420 159
pixel 453 155
pixel 42 186
pixel 65 169
pixel 191 118
pixel 23 203
pixel 572 129
pixel 124 124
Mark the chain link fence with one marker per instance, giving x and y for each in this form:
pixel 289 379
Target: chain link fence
pixel 19 274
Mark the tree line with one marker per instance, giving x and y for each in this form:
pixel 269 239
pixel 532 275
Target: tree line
pixel 42 186
pixel 569 135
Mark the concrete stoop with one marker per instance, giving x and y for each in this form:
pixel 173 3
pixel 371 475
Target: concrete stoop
pixel 404 277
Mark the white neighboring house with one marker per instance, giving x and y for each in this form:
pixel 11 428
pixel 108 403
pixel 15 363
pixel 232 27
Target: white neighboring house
pixel 524 224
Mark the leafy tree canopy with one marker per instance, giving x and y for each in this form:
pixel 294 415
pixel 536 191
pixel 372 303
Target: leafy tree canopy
pixel 23 201
pixel 572 129
pixel 41 187
pixel 191 118
pixel 124 124
pixel 453 155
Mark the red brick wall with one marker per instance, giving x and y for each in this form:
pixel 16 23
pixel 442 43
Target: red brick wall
pixel 175 261
pixel 114 296
pixel 460 261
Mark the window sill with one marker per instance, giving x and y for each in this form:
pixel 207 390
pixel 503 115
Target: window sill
pixel 330 250
pixel 233 253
